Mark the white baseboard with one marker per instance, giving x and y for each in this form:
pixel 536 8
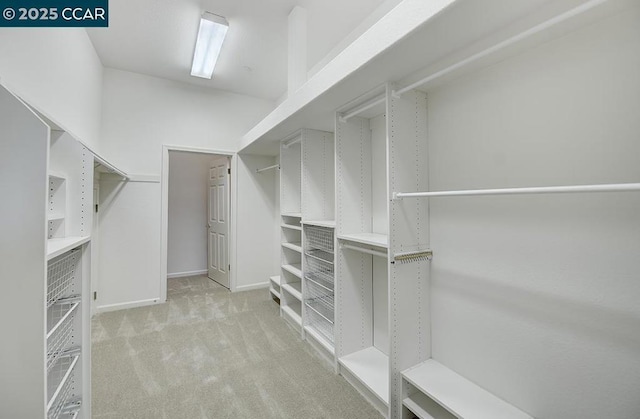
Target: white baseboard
pixel 183 274
pixel 124 306
pixel 251 287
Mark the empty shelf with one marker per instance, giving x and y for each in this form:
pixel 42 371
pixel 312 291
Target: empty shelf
pixel 56 247
pixel 457 394
pixel 425 408
pixel 291 227
pixel 274 292
pixel 58 176
pixel 328 224
pixel 294 289
pixel 296 247
pixel 291 313
pixel 372 239
pixel 371 367
pixel 294 269
pixel 292 214
pixel 275 279
pixel 55 217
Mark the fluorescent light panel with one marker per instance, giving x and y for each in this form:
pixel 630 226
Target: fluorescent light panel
pixel 211 34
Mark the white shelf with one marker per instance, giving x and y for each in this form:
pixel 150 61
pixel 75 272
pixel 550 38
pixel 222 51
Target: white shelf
pixel 371 367
pixel 289 312
pixel 293 288
pixel 425 408
pixel 58 176
pixel 459 395
pixel 274 292
pixel 328 224
pixel 310 331
pixel 55 217
pixel 294 269
pixel 56 247
pixel 292 214
pixel 293 246
pixel 372 239
pixel 291 227
pixel 275 279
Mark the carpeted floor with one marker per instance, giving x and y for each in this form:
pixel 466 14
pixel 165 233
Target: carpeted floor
pixel 208 353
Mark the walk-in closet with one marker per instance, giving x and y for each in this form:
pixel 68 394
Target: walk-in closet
pixel 418 209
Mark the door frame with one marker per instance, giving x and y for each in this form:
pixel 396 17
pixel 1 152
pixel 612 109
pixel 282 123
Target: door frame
pixel 164 185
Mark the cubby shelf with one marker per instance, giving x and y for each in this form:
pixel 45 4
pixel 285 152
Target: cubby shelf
pixel 294 269
pixel 372 239
pixel 425 408
pixel 289 312
pixel 291 227
pixel 294 289
pixel 371 367
pixel 296 247
pixel 457 394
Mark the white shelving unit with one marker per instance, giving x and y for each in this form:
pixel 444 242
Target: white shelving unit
pixel 436 388
pixel 274 286
pixel 46 355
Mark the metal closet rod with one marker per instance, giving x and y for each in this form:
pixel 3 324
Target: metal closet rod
pixel 365 250
pixel 264 169
pixel 363 107
pixel 502 45
pixel 615 187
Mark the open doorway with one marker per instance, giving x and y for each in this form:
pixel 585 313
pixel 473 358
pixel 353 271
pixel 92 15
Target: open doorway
pixel 196 215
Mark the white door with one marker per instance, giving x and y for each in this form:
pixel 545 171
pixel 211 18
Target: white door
pixel 218 254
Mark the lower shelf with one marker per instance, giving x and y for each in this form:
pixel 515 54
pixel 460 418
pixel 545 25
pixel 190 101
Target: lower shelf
pixel 294 289
pixel 371 367
pixel 425 408
pixel 274 292
pixel 292 315
pixel 320 338
pixel 60 386
pixel 457 394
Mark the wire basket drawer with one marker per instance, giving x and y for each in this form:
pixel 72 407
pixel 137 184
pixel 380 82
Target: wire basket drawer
pixel 320 300
pixel 61 318
pixel 318 238
pixel 61 386
pixel 61 272
pixel 319 324
pixel 319 268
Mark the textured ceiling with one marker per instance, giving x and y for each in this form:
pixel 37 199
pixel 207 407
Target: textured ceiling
pixel 157 37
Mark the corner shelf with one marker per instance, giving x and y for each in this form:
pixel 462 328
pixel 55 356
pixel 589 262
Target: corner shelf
pixel 372 239
pixel 56 247
pixel 456 394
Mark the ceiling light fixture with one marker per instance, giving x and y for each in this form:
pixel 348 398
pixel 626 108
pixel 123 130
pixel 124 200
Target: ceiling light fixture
pixel 213 29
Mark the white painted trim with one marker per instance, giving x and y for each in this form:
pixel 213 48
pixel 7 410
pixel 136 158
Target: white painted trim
pixel 164 217
pixel 261 285
pixel 131 304
pixel 188 273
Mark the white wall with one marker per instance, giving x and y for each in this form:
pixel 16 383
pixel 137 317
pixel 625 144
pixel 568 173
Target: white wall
pixel 187 231
pixel 140 115
pixel 57 71
pixel 257 221
pixel 536 297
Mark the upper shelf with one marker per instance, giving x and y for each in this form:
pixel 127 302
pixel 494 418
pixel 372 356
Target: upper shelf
pixel 446 32
pixel 372 239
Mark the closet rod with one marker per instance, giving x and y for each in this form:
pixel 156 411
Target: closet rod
pixel 291 139
pixel 264 169
pixel 364 250
pixel 364 107
pixel 501 45
pixel 616 187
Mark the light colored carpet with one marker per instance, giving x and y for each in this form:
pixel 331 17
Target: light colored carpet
pixel 208 353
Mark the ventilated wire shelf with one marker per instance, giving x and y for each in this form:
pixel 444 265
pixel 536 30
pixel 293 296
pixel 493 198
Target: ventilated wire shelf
pixel 319 238
pixel 61 272
pixel 60 386
pixel 319 324
pixel 320 272
pixel 60 319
